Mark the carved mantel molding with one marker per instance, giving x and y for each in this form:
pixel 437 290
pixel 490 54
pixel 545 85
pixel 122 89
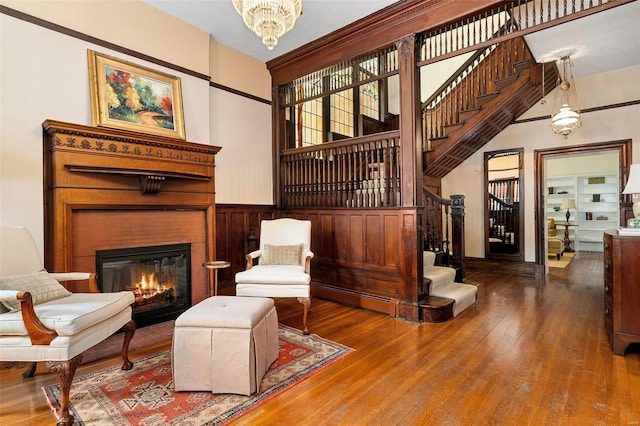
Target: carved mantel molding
pixel 92 168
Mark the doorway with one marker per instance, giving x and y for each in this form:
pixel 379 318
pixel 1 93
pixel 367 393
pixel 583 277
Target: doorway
pixel 580 198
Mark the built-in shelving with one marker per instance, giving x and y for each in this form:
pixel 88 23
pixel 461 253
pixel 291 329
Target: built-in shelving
pixel 597 200
pixel 598 203
pixel 559 188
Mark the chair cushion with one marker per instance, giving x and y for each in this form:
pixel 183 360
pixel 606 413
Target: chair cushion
pixel 41 285
pixel 226 312
pixel 281 255
pixel 70 315
pixel 274 274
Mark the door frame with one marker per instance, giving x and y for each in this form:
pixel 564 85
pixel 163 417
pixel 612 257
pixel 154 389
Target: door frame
pixel 624 158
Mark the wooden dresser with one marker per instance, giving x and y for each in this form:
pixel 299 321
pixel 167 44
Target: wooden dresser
pixel 621 290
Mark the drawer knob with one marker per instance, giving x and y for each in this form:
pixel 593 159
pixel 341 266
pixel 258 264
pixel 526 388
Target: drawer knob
pixel 606 288
pixel 606 246
pixel 606 266
pixel 606 311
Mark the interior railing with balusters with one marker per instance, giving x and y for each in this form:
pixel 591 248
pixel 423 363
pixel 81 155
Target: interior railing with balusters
pixel 464 90
pixel 359 172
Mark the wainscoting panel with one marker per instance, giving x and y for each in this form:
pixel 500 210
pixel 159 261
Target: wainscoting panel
pixel 237 234
pixel 363 258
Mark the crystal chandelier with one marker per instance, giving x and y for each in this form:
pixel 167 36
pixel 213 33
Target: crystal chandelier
pixel 269 19
pixel 565 120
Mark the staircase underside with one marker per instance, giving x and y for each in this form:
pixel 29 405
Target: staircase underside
pixel 493 117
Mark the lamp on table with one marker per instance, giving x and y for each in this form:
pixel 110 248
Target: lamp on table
pixel 568 203
pixel 633 187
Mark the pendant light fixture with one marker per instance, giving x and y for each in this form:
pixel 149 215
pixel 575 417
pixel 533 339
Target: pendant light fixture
pixel 269 19
pixel 565 119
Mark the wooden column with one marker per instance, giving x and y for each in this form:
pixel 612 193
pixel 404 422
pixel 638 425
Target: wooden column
pixel 410 128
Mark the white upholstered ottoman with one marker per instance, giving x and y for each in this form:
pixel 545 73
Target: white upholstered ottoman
pixel 225 344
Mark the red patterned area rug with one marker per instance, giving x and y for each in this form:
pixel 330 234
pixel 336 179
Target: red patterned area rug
pixel 145 396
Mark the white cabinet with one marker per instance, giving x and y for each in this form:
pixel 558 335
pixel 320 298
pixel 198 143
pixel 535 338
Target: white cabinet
pixel 597 207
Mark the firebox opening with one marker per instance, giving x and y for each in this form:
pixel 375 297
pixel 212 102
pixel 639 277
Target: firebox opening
pixel 159 277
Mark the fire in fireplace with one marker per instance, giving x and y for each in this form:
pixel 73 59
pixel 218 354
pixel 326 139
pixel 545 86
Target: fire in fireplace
pixel 159 277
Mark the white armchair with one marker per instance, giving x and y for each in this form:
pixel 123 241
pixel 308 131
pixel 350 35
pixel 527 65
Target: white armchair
pixel 41 321
pixel 283 268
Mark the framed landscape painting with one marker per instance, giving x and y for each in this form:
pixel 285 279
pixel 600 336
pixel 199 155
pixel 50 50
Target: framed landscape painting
pixel 131 97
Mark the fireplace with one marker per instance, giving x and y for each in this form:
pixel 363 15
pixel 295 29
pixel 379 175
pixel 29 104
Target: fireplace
pixel 109 189
pixel 159 277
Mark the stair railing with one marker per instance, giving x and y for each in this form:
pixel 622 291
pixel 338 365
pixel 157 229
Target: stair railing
pixel 463 91
pixel 503 221
pixel 443 230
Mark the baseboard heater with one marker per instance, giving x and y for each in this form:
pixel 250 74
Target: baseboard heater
pixel 368 301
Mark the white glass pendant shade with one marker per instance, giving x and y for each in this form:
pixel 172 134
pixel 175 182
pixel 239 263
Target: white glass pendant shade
pixel 269 19
pixel 565 121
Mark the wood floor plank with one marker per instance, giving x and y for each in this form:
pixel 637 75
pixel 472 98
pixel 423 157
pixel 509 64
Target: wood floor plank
pixel 530 352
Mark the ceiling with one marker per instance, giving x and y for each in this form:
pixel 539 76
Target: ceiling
pixel 224 24
pixel 599 43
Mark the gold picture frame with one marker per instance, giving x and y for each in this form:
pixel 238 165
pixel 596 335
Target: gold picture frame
pixel 131 97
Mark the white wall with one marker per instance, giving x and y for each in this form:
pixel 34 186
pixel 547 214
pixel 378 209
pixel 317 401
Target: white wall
pixel 599 126
pixel 45 76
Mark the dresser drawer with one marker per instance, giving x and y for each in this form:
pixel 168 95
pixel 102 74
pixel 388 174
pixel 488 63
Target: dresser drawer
pixel 608 287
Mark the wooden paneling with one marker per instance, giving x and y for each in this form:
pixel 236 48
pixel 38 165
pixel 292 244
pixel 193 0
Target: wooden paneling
pixel 365 257
pixel 235 223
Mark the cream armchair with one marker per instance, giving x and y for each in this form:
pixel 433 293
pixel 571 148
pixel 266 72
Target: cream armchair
pixel 41 321
pixel 283 258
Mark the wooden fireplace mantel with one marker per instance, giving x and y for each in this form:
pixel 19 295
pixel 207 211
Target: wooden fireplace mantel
pixel 98 169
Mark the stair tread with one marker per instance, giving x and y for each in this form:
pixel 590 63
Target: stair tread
pixel 436 302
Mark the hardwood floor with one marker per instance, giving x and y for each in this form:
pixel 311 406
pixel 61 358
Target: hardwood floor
pixel 530 352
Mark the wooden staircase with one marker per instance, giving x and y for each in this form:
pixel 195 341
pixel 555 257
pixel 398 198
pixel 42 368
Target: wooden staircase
pixel 488 92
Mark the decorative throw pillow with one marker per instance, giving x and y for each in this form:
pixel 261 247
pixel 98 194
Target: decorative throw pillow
pixel 282 255
pixel 42 286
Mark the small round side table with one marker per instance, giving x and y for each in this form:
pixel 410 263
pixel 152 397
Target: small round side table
pixel 215 265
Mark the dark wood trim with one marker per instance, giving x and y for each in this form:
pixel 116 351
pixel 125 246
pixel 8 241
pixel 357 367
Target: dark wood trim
pixel 625 149
pixel 94 40
pixel 583 111
pixel 239 93
pixel 529 269
pixel 392 23
pixel 375 31
pixel 518 257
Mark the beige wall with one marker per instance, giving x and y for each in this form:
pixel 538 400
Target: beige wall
pixel 235 69
pixel 131 23
pixel 600 126
pixel 45 76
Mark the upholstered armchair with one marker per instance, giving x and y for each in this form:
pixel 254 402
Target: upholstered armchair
pixel 555 244
pixel 41 321
pixel 283 262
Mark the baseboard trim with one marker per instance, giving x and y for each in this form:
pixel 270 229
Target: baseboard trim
pixel 530 269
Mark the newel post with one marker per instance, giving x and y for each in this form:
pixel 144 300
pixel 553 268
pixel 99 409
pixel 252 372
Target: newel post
pixel 457 235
